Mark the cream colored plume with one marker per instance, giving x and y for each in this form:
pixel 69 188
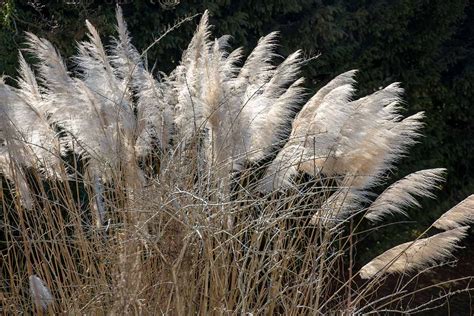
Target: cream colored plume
pixel 188 112
pixel 315 133
pixel 97 73
pixel 240 113
pixel 154 105
pixel 402 194
pixel 461 214
pixel 270 108
pixel 125 58
pixel 258 67
pixel 94 111
pixel 357 140
pixel 415 255
pixel 52 69
pixel 28 123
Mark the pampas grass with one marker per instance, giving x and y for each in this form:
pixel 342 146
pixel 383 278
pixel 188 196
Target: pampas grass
pixel 223 187
pixel 415 255
pixel 461 214
pixel 402 193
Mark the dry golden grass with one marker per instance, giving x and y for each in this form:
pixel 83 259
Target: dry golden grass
pixel 175 247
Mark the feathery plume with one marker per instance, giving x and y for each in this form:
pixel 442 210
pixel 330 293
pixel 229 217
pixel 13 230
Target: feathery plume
pixel 99 76
pixel 29 90
pixel 27 133
pixel 270 111
pixel 415 255
pixel 125 58
pixel 52 69
pixel 402 193
pixel 189 117
pixel 346 78
pixel 460 215
pixel 154 117
pixel 258 67
pixel 315 132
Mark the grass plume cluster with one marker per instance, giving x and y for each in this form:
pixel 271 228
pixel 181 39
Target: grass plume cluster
pixel 220 188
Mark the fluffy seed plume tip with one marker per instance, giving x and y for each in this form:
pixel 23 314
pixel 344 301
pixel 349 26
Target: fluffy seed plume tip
pixel 461 214
pixel 121 24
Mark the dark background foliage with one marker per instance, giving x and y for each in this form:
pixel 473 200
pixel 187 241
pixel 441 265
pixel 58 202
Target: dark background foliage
pixel 428 45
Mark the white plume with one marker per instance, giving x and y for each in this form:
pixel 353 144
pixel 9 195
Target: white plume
pixel 415 255
pixel 461 214
pixel 52 69
pixel 402 194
